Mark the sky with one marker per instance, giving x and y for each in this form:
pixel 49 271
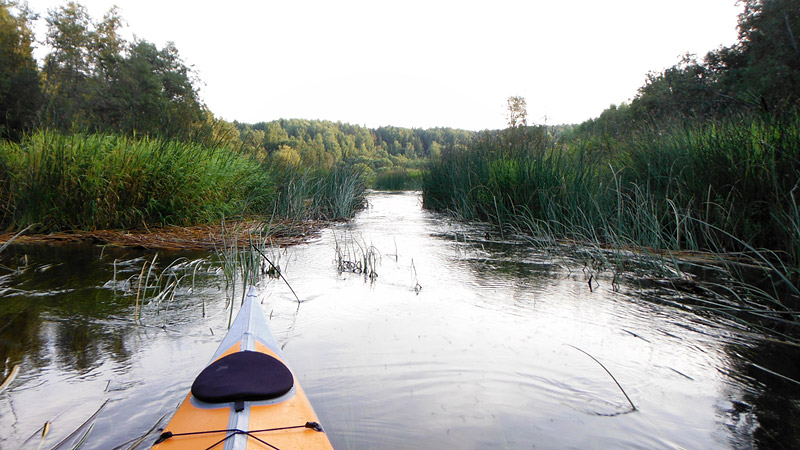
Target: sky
pixel 421 64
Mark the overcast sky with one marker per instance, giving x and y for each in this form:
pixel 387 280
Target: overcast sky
pixel 425 63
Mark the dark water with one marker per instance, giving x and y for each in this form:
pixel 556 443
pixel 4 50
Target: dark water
pixel 463 340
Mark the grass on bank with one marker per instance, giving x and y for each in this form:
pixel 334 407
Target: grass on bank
pixel 729 188
pixel 53 182
pixel 93 181
pixel 100 182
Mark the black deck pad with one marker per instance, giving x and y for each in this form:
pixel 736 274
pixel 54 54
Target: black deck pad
pixel 243 376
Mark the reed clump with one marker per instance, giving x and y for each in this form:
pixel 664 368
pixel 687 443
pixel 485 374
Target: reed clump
pixel 354 256
pixel 319 194
pixel 398 180
pixel 94 181
pixel 726 187
pixel 157 286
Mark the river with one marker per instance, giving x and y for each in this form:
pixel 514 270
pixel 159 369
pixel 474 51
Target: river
pixel 463 339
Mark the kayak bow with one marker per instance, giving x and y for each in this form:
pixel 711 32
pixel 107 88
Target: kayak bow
pixel 246 398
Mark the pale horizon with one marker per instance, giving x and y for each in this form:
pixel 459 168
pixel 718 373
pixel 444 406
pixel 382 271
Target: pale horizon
pixel 421 64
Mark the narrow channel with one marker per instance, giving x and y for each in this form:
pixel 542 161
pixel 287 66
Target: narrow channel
pixel 461 338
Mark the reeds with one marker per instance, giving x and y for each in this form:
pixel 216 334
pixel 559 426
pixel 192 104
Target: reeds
pixel 83 431
pixel 100 182
pixel 320 194
pixel 633 407
pixel 246 264
pixel 356 256
pixel 398 180
pixel 727 188
pixel 155 288
pixel 10 378
pixel 93 181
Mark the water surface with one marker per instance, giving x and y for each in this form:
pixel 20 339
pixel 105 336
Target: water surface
pixel 463 339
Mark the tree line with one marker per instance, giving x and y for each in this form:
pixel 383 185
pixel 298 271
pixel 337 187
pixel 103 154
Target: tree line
pixel 94 81
pixel 324 144
pixel 759 75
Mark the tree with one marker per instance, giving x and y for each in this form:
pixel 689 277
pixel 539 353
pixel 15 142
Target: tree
pixel 95 80
pixel 107 46
pixel 517 112
pixel 157 92
pixel 686 89
pixel 769 32
pixel 760 72
pixel 286 156
pixel 253 142
pixel 20 90
pixel 67 66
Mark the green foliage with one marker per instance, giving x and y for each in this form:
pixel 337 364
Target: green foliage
pixel 512 174
pixel 725 186
pixel 602 134
pixel 761 73
pixel 766 62
pixel 100 181
pixel 324 144
pixel 327 194
pixel 398 180
pixel 150 92
pixel 735 175
pixel 20 90
pixel 686 90
pixel 96 81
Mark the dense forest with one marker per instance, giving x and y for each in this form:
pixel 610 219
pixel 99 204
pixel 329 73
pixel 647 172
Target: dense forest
pixel 324 144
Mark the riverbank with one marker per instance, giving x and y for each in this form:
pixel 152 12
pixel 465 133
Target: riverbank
pixel 198 237
pixel 62 182
pixel 725 188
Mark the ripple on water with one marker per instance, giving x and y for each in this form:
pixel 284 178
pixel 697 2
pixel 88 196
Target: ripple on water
pixel 479 358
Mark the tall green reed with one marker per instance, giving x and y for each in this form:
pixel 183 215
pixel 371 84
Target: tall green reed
pixel 398 179
pixel 101 181
pixel 728 188
pixel 319 194
pixel 156 287
pixel 249 262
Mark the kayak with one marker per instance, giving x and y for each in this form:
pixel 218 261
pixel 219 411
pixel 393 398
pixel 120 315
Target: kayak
pixel 246 398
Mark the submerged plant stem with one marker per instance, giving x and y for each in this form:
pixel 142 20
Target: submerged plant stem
pixel 278 271
pixel 633 407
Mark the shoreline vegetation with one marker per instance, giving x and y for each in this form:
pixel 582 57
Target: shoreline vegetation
pixel 104 133
pixel 705 158
pixel 109 134
pixel 725 193
pixel 74 185
pixel 212 236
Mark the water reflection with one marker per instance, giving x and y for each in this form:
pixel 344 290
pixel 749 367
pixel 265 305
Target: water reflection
pixel 66 319
pixel 764 396
pixel 480 357
pixel 20 334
